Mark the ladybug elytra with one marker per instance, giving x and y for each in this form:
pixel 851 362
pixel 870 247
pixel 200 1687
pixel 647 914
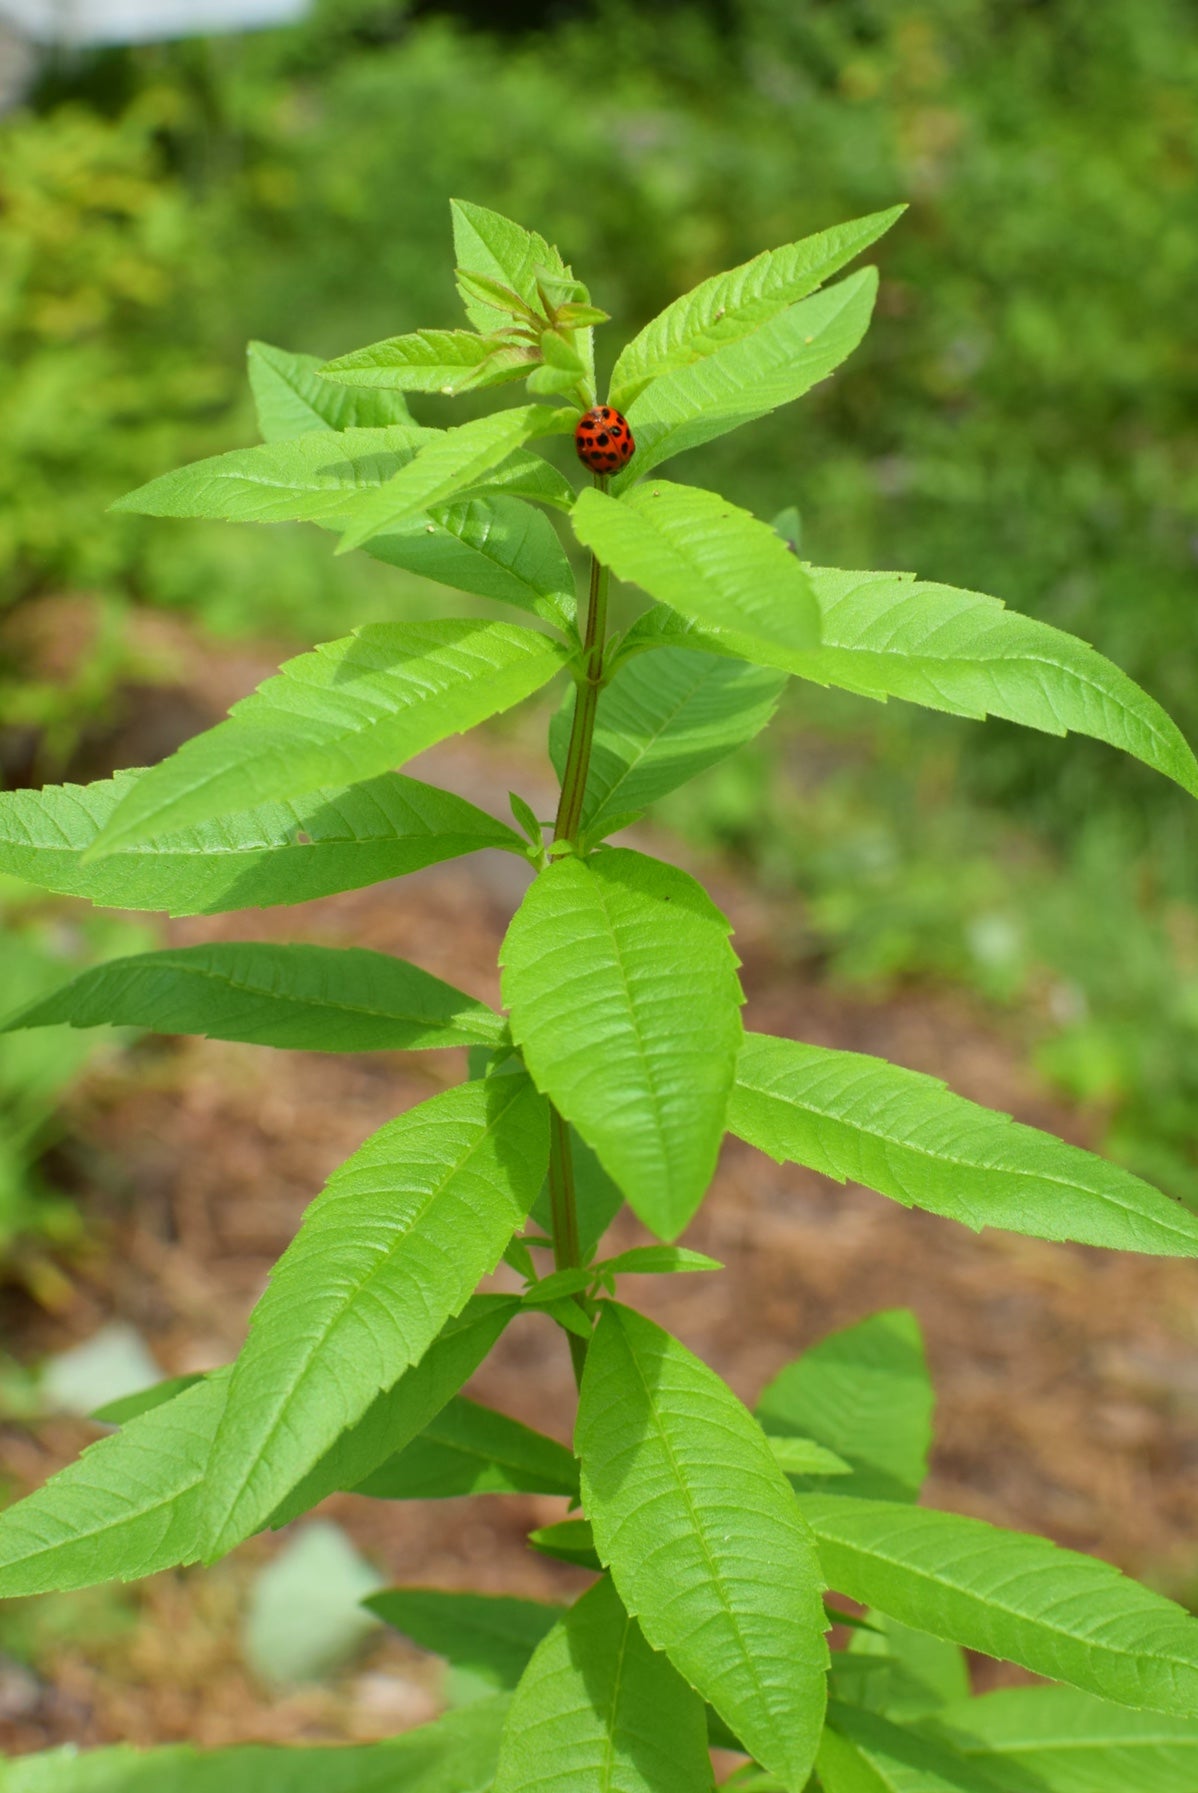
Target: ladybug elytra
pixel 603 439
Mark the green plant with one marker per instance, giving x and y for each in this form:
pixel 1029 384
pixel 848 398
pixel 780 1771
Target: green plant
pixel 613 1076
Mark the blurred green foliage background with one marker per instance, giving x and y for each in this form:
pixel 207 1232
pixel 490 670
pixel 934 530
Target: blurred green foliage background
pixel 1020 420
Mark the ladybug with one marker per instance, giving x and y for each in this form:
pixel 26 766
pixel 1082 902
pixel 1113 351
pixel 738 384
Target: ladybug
pixel 603 439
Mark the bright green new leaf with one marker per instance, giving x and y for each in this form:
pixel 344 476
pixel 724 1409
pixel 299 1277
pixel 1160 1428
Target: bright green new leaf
pixel 446 361
pixel 390 1250
pixel 904 1134
pixel 657 1260
pixel 598 1711
pixel 398 1415
pixel 314 998
pixel 803 1457
pixel 469 1449
pixel 490 1636
pixel 497 547
pixel 729 306
pixel 1071 1618
pixel 128 1506
pixel 144 1400
pixel 864 1393
pixel 704 557
pixel 922 1672
pixel 862 1752
pixel 291 852
pixel 703 1538
pixel 317 477
pixel 742 380
pixel 345 712
pixel 664 718
pixel 624 998
pixel 569 1541
pixel 291 398
pixel 455 461
pixel 1053 1740
pixel 487 243
pixel 455 1755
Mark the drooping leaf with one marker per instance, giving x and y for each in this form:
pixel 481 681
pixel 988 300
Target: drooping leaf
pixel 497 547
pixel 742 380
pixel 470 1449
pixel 390 1250
pixel 446 361
pixel 457 1754
pixel 491 1636
pixel 314 477
pixel 703 1538
pixel 441 470
pixel 291 398
pixel 624 998
pixel 907 1136
pixel 889 635
pixel 128 1506
pixel 862 1752
pixel 704 557
pixel 348 711
pixel 314 998
pixel 1054 1740
pixel 663 719
pixel 864 1393
pixel 597 1199
pixel 729 306
pixel 278 853
pixel 598 1711
pixel 1071 1618
pixel 398 1415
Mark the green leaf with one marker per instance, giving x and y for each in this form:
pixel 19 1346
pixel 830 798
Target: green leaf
pixel 864 1393
pixel 316 477
pixel 703 1538
pixel 729 306
pixel 624 997
pixel 907 1136
pixel 496 547
pixel 864 1753
pixel 316 845
pixel 488 244
pixel 569 1541
pixel 803 1457
pixel 128 1506
pixel 314 998
pixel 705 558
pixel 742 380
pixel 1071 1618
pixel 445 361
pixel 455 1755
pixel 598 1711
pixel 922 1674
pixel 390 1250
pixel 657 1260
pixel 398 1415
pixel 488 1635
pixel 888 635
pixel 1053 1740
pixel 664 718
pixel 596 1198
pixel 469 1449
pixel 348 711
pixel 127 1407
pixel 291 398
pixel 444 468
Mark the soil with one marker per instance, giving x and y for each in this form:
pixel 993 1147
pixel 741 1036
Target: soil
pixel 1067 1378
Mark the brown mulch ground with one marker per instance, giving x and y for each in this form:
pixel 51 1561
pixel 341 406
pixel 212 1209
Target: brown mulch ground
pixel 1067 1378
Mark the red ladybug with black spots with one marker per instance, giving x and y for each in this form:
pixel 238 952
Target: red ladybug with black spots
pixel 603 439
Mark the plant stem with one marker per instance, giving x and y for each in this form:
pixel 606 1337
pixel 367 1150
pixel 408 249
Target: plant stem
pixel 563 1205
pixel 578 754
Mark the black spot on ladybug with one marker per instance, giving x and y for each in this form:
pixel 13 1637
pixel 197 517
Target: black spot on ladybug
pixel 601 438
